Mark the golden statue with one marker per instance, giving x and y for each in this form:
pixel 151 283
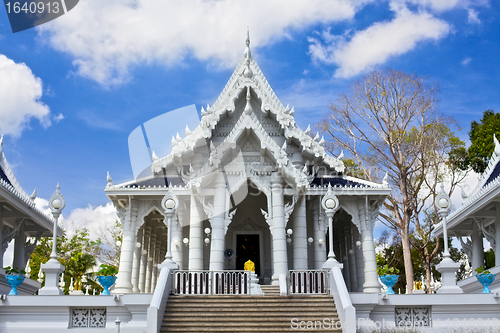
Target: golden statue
pixel 249 266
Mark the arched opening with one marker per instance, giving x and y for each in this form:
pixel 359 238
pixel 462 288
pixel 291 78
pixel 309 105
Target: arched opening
pixel 347 252
pixel 151 241
pixel 248 235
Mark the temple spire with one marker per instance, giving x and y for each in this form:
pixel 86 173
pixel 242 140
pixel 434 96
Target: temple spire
pixel 248 53
pixel 247 42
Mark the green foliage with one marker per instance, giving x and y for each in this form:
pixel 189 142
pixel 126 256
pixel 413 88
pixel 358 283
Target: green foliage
pixel 489 259
pixel 385 270
pixel 392 255
pixel 14 271
pixel 482 144
pixel 353 169
pixel 107 270
pixel 481 270
pixel 77 254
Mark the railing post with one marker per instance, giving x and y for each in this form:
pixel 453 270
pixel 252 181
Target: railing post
pixel 212 283
pixel 307 281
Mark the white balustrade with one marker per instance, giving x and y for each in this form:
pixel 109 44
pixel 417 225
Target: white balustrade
pixel 192 282
pixel 231 282
pixel 211 282
pixel 308 281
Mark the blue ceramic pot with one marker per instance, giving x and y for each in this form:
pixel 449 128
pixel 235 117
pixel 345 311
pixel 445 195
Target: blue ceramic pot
pixel 389 280
pixel 14 281
pixel 106 282
pixel 486 280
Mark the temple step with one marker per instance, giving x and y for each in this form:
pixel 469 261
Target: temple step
pixel 250 314
pixel 270 290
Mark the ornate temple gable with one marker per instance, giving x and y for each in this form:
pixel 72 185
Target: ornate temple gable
pixel 248 146
pixel 247 101
pixel 248 79
pixel 492 171
pixel 488 184
pixel 10 184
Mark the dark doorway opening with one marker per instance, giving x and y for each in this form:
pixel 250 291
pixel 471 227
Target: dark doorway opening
pixel 248 248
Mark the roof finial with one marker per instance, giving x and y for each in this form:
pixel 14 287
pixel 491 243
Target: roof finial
pixel 33 195
pixel 247 42
pixel 110 180
pixel 497 145
pixel 1 141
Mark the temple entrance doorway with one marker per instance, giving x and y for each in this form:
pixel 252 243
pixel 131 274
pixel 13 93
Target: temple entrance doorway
pixel 248 248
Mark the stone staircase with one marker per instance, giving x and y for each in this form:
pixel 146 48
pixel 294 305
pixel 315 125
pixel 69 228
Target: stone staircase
pixel 270 290
pixel 271 313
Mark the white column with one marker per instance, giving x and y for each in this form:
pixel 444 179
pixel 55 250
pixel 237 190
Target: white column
pixel 342 243
pixel 371 284
pixel 477 247
pixel 299 235
pixel 353 277
pixel 144 259
pixel 217 221
pixel 177 249
pixel 149 269
pixel 1 235
pixel 279 237
pixel 195 236
pixel 319 233
pixel 19 243
pixel 136 263
pixel 360 265
pixel 124 276
pixel 497 235
pixel 156 257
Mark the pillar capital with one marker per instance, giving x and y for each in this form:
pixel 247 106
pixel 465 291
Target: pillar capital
pixel 276 179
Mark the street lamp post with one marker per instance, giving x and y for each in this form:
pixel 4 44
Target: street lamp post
pixel 330 204
pixel 53 267
pixel 446 267
pixel 169 204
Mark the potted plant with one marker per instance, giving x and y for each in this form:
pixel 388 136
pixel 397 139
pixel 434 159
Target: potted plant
pixel 485 278
pixel 106 277
pixel 14 278
pixel 389 276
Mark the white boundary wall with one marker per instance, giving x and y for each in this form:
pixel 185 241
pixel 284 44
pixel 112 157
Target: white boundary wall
pixel 52 314
pixel 448 312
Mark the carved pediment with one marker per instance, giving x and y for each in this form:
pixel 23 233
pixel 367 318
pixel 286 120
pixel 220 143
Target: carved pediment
pixel 247 225
pixel 248 146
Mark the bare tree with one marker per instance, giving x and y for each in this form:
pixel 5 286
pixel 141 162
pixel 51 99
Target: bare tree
pixel 110 238
pixel 440 166
pixel 388 123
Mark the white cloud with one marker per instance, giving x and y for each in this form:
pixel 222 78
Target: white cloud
pixel 59 117
pixel 97 219
pixel 439 6
pixel 436 5
pixel 466 61
pixel 376 44
pixel 107 38
pixel 469 184
pixel 43 205
pixel 20 93
pixel 473 16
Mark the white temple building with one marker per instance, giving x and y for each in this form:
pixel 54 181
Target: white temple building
pixel 248 184
pixel 248 179
pixel 21 224
pixel 478 219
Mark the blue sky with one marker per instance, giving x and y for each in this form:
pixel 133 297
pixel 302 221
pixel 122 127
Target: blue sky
pixel 73 89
